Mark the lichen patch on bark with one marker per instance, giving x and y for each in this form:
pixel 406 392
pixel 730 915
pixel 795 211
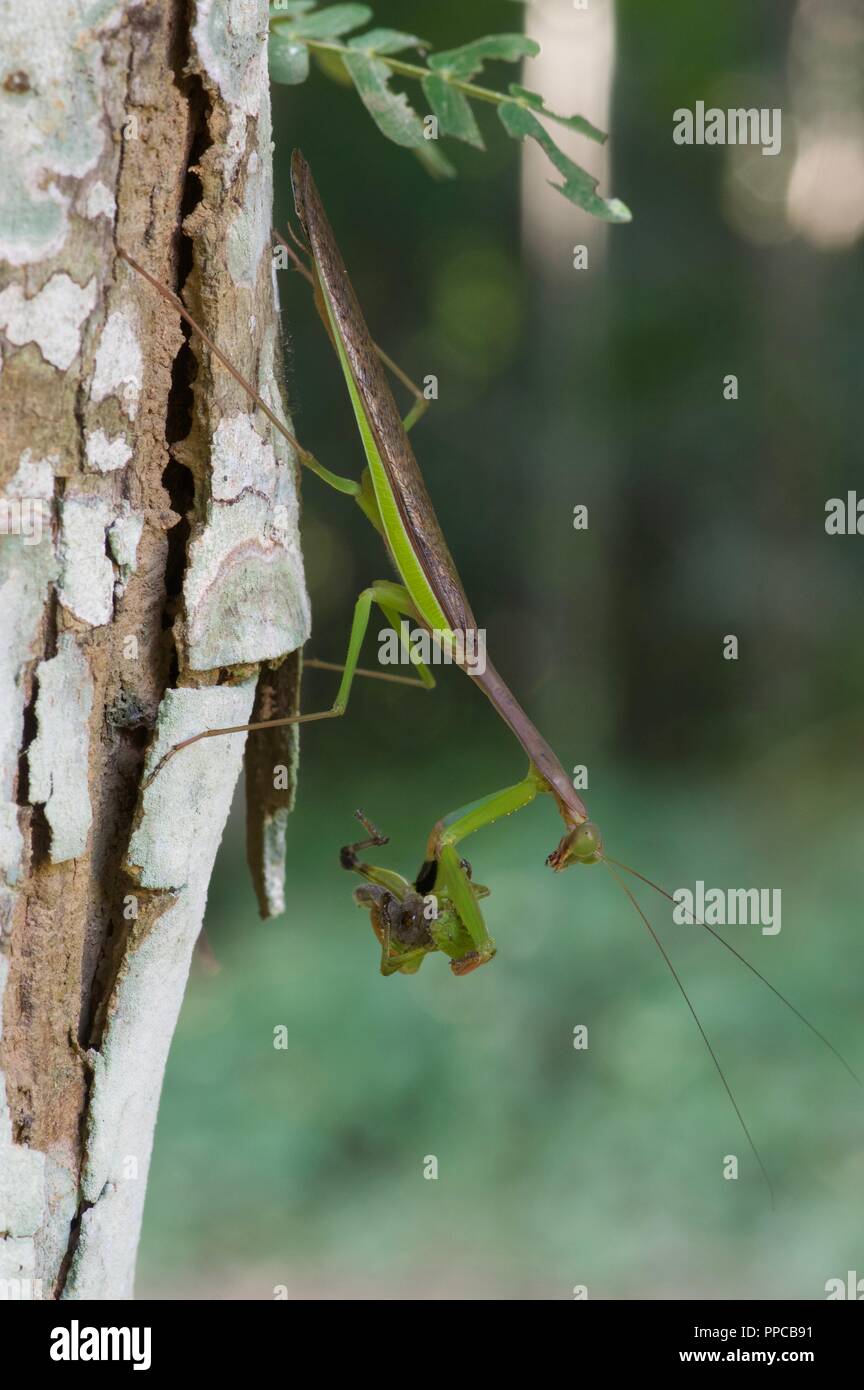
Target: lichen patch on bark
pixel 59 755
pixel 243 602
pixel 86 573
pixel 104 454
pixel 52 318
pixel 119 369
pixel 51 119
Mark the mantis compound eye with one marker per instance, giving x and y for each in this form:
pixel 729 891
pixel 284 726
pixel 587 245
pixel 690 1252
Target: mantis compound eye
pixel 587 843
pixel 584 845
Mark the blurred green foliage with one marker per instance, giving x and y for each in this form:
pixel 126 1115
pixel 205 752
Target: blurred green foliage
pixel 304 1166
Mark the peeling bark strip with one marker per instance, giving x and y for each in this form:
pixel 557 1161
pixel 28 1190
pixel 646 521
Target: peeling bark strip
pixel 149 566
pixel 271 780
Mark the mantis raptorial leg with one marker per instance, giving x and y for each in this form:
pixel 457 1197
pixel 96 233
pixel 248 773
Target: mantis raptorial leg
pixel 393 904
pixel 410 920
pixel 443 870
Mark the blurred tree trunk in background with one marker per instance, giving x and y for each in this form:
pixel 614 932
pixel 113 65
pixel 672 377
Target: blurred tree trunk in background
pixel 568 374
pixel 149 566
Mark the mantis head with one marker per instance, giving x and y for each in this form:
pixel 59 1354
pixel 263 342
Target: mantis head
pixel 583 845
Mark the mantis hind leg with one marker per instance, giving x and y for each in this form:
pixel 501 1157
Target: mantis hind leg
pixel 391 598
pixel 394 601
pixel 445 872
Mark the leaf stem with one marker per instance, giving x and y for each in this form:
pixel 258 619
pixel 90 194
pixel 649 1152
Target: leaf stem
pixel 416 70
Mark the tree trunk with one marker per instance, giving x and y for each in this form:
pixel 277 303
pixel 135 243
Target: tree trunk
pixel 150 573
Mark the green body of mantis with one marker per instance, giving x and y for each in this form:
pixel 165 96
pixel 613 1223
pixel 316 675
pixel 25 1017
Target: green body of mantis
pixel 439 911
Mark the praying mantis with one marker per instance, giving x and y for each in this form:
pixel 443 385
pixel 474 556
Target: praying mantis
pixel 439 910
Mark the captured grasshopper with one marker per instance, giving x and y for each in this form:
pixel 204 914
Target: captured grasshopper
pixel 439 911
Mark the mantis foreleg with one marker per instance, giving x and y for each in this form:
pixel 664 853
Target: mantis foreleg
pixel 477 814
pixel 445 872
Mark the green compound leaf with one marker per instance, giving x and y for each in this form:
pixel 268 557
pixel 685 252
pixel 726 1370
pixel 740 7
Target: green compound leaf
pixel 385 41
pixel 330 23
pixel 449 103
pixel 298 28
pixel 578 186
pixel 288 60
pixel 466 62
pixel 391 111
pixel 453 110
pixel 578 123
